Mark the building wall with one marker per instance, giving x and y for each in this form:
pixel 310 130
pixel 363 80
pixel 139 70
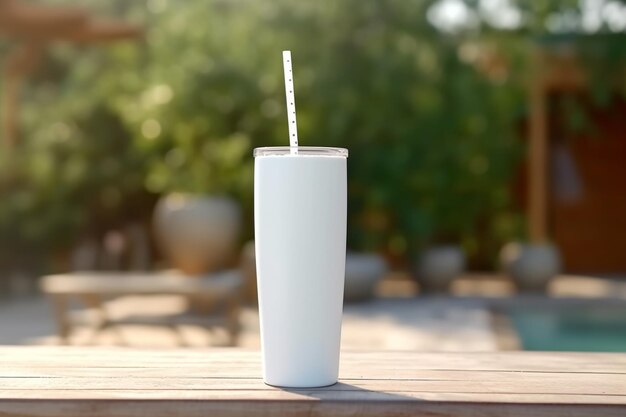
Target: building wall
pixel 587 210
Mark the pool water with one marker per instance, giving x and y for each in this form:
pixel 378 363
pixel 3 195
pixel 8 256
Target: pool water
pixel 590 329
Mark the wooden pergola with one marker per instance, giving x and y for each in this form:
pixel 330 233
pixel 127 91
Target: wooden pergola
pixel 552 72
pixel 556 68
pixel 32 27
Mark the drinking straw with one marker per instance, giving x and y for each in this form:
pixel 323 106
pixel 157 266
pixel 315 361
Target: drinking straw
pixel 291 103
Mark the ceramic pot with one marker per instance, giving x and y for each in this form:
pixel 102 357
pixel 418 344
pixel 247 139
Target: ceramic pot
pixel 531 266
pixel 438 266
pixel 248 269
pixel 197 234
pixel 363 271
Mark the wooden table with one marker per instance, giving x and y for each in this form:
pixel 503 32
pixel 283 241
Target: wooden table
pixel 92 288
pixel 112 382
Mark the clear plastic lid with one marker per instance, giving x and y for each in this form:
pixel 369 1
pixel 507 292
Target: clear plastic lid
pixel 301 151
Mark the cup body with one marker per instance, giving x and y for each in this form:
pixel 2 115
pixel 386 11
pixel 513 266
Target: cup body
pixel 300 240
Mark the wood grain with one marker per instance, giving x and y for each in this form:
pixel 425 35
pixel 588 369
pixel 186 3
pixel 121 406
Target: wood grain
pixel 53 381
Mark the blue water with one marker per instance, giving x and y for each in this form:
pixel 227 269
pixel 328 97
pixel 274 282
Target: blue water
pixel 572 329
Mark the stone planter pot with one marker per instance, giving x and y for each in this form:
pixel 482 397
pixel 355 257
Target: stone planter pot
pixel 197 234
pixel 531 266
pixel 248 269
pixel 363 272
pixel 438 266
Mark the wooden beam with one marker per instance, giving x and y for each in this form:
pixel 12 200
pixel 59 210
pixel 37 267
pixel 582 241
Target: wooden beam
pixel 32 21
pixel 537 152
pixel 102 30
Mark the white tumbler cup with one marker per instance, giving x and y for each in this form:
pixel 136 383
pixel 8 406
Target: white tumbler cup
pixel 300 239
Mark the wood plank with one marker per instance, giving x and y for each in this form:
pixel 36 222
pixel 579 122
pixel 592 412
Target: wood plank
pixel 262 408
pixel 351 361
pixel 66 382
pixel 312 395
pixel 553 384
pixel 253 371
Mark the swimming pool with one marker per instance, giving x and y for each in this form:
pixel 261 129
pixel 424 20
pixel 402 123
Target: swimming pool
pixel 572 328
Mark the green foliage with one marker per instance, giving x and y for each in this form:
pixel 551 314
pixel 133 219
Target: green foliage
pixel 432 141
pixel 68 178
pixel 430 118
pixel 76 170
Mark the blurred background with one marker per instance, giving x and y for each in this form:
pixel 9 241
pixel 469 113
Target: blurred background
pixel 487 169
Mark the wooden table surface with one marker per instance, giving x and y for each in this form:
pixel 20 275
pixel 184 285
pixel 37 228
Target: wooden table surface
pixel 75 381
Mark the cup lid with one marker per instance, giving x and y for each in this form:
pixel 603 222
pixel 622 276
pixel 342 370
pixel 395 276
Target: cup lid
pixel 302 150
